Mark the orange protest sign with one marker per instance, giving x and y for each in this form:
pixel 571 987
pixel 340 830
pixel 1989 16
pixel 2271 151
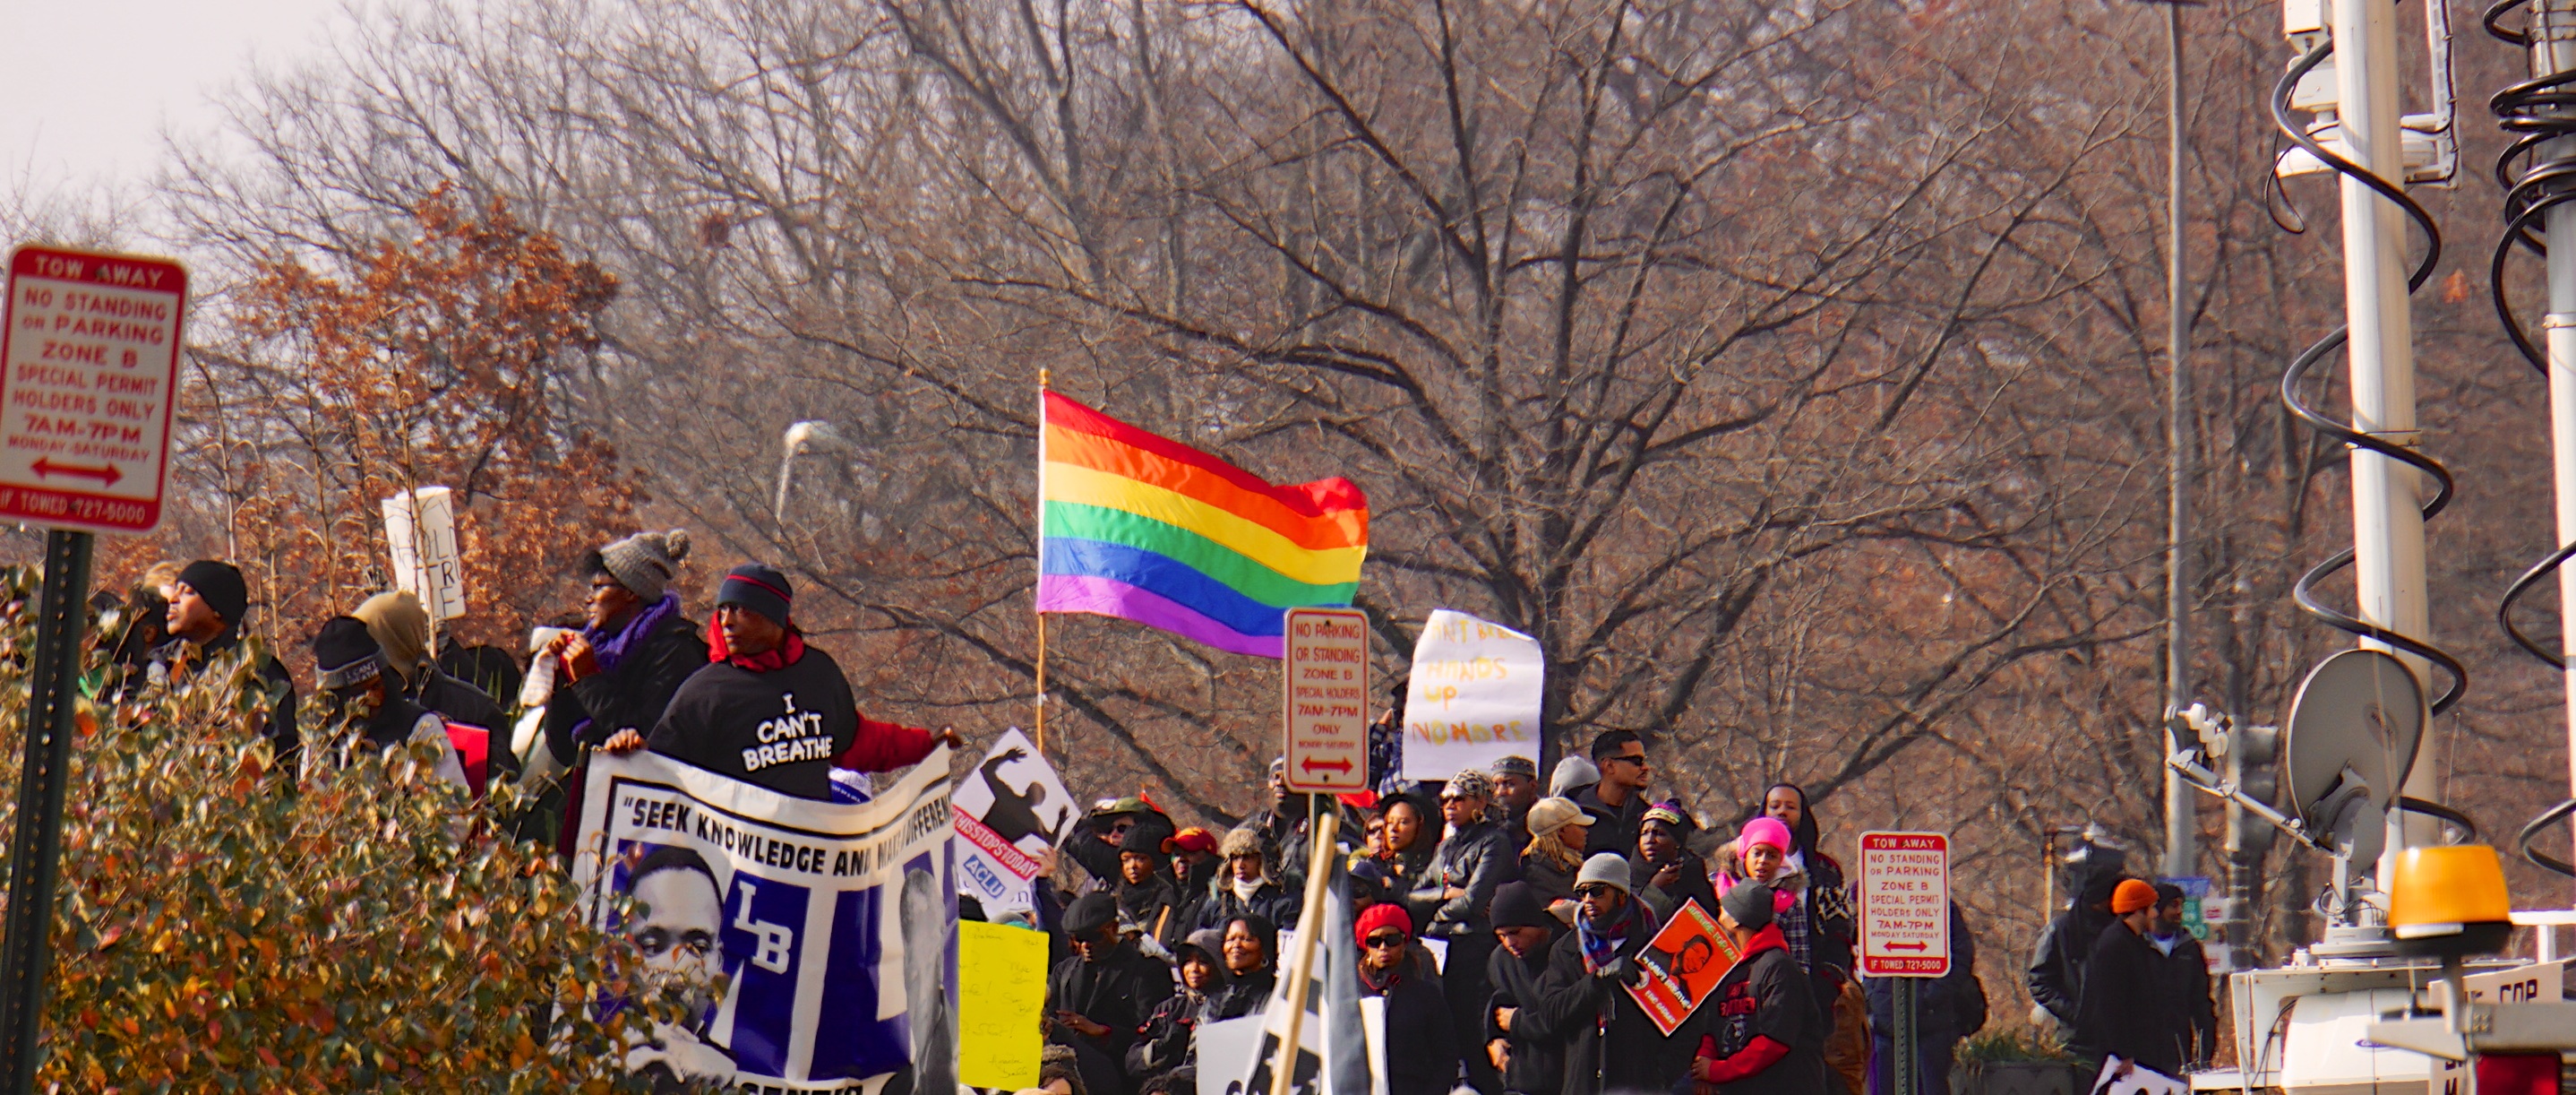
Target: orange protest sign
pixel 1683 964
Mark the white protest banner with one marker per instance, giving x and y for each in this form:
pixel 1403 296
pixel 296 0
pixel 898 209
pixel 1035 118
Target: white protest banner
pixel 1235 1056
pixel 1474 697
pixel 834 924
pixel 420 527
pixel 1224 1052
pixel 1008 814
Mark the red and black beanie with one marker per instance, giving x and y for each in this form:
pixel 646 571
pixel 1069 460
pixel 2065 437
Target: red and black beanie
pixel 760 588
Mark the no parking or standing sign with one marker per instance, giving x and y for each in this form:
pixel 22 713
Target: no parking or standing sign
pixel 1904 904
pixel 89 372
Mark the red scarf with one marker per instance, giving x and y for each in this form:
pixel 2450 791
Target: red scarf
pixel 786 653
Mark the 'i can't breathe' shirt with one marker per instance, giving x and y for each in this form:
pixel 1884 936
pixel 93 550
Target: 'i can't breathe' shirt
pixel 784 729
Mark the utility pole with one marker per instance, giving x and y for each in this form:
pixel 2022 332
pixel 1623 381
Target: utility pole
pixel 2387 523
pixel 2552 37
pixel 2181 820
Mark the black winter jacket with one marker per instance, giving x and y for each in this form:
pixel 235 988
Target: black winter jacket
pixel 457 701
pixel 1548 882
pixel 1422 1052
pixel 2056 975
pixel 1767 995
pixel 1693 885
pixel 285 740
pixel 1833 929
pixel 631 696
pixel 1268 901
pixel 2182 979
pixel 1244 995
pixel 1164 1044
pixel 1614 828
pixel 1538 1050
pixel 1612 1046
pixel 1156 908
pixel 2121 1012
pixel 1120 992
pixel 1473 859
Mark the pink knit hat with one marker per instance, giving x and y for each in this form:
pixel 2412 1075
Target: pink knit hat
pixel 1765 830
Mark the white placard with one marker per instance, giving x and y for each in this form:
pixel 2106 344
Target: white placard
pixel 420 526
pixel 1904 904
pixel 1010 810
pixel 2140 1080
pixel 1473 699
pixel 1224 1052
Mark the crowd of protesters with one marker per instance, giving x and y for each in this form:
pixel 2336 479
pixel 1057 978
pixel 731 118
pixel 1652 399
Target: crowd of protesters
pixel 1500 927
pixel 1500 922
pixel 1502 935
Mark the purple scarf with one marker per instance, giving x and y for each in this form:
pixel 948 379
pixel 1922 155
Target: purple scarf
pixel 611 649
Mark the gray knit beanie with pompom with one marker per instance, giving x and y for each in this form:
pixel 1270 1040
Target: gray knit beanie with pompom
pixel 644 563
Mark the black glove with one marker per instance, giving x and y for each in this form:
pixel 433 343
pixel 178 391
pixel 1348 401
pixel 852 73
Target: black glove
pixel 1618 970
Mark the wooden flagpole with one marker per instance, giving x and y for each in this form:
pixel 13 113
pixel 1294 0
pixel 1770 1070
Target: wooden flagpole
pixel 1301 966
pixel 1041 613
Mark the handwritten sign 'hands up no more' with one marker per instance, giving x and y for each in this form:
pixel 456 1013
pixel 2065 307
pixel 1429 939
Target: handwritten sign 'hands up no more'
pixel 1473 698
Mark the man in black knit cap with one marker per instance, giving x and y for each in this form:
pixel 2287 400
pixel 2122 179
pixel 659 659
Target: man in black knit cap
pixel 205 619
pixel 770 710
pixel 351 668
pixel 1101 996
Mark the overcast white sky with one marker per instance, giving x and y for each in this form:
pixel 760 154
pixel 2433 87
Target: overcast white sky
pixel 88 86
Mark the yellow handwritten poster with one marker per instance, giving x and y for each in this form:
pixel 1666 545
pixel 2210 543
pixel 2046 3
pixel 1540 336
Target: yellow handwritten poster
pixel 1473 697
pixel 1001 973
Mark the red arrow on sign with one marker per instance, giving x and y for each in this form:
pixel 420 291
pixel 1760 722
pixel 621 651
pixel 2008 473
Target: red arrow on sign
pixel 106 474
pixel 1907 946
pixel 1342 766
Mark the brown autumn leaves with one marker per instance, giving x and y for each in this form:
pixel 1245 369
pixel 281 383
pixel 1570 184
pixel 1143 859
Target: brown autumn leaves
pixel 431 358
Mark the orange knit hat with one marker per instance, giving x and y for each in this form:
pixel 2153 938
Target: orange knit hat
pixel 2131 896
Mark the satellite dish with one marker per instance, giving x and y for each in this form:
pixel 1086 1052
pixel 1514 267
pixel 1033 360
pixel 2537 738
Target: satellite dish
pixel 2352 735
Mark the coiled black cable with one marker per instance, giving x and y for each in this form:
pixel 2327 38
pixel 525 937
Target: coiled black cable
pixel 2531 111
pixel 2467 827
pixel 2304 590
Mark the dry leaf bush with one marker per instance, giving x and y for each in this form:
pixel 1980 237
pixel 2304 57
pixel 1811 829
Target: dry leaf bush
pixel 221 928
pixel 439 354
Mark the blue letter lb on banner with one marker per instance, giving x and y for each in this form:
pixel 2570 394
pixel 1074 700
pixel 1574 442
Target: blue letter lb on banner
pixel 831 926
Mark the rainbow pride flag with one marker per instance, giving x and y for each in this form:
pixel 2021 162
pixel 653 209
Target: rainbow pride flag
pixel 1147 529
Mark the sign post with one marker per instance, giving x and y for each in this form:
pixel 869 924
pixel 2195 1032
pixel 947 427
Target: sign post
pixel 89 367
pixel 1325 678
pixel 1301 964
pixel 1905 930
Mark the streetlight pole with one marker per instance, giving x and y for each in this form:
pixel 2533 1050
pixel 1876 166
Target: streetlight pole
pixel 2181 822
